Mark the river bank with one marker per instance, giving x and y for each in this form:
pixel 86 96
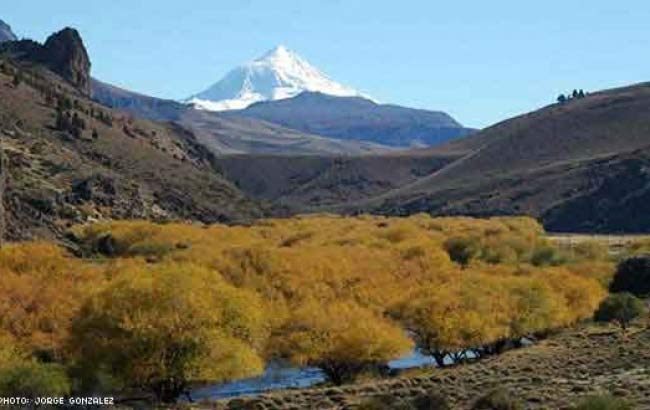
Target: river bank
pixel 554 374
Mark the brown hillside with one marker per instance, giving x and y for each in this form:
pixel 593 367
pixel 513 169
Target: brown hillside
pixel 114 167
pixel 299 183
pixel 578 166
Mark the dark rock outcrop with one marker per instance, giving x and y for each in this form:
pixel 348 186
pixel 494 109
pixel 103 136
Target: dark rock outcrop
pixel 63 52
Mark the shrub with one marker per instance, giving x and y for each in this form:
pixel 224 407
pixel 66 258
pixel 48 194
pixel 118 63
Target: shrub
pixel 32 379
pixel 242 404
pixel 382 402
pixel 22 376
pixel 603 402
pixel 546 256
pixel 462 250
pixel 619 307
pixel 633 276
pixel 499 399
pixel 430 401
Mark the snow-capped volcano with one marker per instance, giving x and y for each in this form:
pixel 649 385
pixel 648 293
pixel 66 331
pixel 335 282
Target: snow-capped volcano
pixel 277 75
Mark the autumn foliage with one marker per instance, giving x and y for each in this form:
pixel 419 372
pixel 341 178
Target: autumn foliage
pixel 161 306
pixel 165 325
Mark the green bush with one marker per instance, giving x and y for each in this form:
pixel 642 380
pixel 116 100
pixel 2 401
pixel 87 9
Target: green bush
pixel 603 402
pixel 619 307
pixel 498 399
pixel 633 276
pixel 32 379
pixel 462 249
pixel 547 256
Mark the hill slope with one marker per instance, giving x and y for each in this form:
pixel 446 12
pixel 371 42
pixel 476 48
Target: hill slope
pixel 301 183
pixel 583 166
pixel 578 166
pixel 71 160
pixel 357 118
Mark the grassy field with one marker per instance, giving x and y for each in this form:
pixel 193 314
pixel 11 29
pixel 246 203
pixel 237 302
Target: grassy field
pixel 616 244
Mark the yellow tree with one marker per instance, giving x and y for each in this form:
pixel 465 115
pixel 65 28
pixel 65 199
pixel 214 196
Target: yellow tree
pixel 447 319
pixel 163 327
pixel 42 290
pixel 341 338
pixel 536 307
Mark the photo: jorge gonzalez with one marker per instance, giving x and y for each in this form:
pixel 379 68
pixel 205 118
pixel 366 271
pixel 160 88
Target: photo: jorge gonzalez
pixel 328 205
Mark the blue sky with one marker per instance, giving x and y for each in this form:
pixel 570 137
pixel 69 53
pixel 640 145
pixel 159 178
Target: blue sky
pixel 481 61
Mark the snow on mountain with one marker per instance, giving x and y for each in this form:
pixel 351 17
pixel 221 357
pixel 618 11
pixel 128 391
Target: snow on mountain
pixel 277 75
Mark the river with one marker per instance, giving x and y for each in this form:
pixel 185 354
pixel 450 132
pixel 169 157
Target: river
pixel 278 376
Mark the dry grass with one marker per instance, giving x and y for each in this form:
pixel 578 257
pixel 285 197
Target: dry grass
pixel 557 373
pixel 617 244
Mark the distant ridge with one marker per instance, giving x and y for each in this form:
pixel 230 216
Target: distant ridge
pixel 227 135
pixel 358 118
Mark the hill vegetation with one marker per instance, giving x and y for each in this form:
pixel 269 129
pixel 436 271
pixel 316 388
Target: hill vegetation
pixel 69 159
pixel 578 166
pixel 293 184
pixel 159 308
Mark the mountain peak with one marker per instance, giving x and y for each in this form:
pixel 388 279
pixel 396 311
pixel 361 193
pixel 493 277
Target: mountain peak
pixel 278 74
pixel 278 52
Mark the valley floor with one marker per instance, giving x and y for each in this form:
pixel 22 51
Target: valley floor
pixel 554 374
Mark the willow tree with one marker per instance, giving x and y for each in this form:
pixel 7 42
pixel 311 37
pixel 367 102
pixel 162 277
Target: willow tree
pixel 447 320
pixel 164 327
pixel 341 338
pixel 43 288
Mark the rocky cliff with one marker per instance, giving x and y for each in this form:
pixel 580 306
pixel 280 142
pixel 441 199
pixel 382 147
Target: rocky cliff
pixel 63 52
